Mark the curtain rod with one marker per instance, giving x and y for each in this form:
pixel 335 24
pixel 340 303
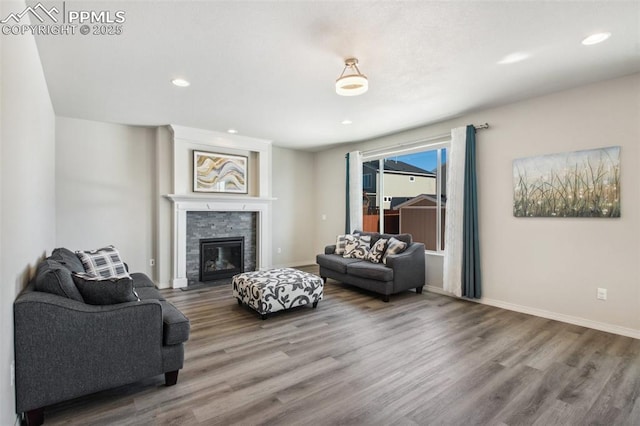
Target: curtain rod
pixel 419 141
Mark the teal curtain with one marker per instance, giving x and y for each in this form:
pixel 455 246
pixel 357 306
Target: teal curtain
pixel 471 278
pixel 347 215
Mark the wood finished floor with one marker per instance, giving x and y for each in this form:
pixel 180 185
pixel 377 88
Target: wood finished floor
pixel 418 360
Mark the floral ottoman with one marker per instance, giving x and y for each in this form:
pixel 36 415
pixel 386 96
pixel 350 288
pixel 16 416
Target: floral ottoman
pixel 277 289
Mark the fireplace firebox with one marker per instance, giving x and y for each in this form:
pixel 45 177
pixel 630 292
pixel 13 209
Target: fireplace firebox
pixel 221 258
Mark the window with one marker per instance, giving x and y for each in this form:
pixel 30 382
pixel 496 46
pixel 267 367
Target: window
pixel 366 181
pixel 412 193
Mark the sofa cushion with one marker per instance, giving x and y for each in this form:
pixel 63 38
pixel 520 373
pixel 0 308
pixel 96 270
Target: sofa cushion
pixel 141 280
pixel 394 246
pixel 104 263
pixel 147 293
pixel 356 246
pixel 53 277
pixel 374 271
pixel 175 325
pixel 377 250
pixel 97 291
pixel 334 262
pixel 68 259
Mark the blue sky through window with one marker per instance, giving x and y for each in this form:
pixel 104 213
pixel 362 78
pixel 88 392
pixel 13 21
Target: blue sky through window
pixel 424 160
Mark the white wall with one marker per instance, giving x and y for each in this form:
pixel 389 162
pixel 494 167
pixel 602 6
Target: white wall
pixel 547 266
pixel 105 186
pixel 294 211
pixel 27 190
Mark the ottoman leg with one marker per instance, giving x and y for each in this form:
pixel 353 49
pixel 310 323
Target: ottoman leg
pixel 315 304
pixel 263 316
pixel 239 302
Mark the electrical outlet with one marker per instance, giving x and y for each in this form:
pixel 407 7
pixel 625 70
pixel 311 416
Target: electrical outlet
pixel 602 294
pixel 279 250
pixel 152 262
pixel 324 217
pixel 13 373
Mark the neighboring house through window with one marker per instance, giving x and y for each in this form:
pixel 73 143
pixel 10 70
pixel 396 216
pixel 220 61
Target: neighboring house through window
pixel 407 193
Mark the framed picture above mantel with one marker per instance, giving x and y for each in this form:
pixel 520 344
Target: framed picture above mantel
pixel 219 173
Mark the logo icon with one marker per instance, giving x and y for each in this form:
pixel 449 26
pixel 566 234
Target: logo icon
pixel 35 11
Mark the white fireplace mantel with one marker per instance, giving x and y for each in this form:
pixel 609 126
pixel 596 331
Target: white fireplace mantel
pixel 197 202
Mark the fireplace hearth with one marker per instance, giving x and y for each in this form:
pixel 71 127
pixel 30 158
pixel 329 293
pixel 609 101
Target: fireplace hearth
pixel 221 258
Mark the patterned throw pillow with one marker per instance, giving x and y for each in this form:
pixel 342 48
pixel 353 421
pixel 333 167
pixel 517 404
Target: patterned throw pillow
pixel 357 246
pixel 340 242
pixel 394 247
pixel 103 263
pixel 377 250
pixel 97 291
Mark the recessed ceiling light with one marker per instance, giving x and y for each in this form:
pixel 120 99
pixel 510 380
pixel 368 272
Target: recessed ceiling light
pixel 232 131
pixel 345 122
pixel 596 38
pixel 513 58
pixel 180 82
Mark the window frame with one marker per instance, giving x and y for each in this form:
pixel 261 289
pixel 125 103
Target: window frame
pixel 382 154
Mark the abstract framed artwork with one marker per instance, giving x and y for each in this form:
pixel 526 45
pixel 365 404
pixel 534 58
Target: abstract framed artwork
pixel 572 184
pixel 219 173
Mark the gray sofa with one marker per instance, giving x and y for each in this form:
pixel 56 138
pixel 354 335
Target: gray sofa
pixel 402 271
pixel 66 348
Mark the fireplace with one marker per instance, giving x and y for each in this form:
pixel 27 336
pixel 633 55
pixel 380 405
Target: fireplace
pixel 221 258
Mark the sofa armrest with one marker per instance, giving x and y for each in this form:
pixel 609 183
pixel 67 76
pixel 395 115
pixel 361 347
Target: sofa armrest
pixel 408 267
pixel 65 348
pixel 330 249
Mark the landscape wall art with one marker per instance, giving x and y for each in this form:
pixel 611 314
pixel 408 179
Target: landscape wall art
pixel 219 172
pixel 573 184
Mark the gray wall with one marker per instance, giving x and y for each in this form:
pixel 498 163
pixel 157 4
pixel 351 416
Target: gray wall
pixel 27 184
pixel 547 266
pixel 294 211
pixel 105 186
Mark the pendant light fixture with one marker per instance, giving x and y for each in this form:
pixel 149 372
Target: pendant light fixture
pixel 351 82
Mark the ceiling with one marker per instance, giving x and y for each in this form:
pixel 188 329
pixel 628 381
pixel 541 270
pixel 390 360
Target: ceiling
pixel 268 68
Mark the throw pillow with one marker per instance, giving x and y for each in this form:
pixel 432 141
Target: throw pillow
pixel 96 291
pixel 377 250
pixel 104 263
pixel 54 278
pixel 340 242
pixel 394 247
pixel 356 247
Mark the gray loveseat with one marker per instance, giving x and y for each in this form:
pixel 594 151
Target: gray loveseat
pixel 402 271
pixel 66 348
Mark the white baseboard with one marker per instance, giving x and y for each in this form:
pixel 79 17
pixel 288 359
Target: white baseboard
pixel 609 328
pixel 179 282
pixel 434 289
pixel 163 285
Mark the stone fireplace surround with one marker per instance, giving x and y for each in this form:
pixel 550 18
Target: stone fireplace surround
pixel 211 225
pixel 196 202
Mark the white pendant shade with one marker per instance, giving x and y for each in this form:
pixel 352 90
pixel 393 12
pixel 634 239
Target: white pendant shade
pixel 354 83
